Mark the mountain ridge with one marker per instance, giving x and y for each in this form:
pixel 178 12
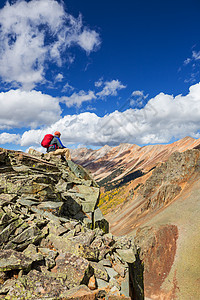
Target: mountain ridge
pixel 99 162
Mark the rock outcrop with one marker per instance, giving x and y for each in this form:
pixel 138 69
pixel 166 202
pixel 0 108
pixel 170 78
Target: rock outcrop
pixel 54 241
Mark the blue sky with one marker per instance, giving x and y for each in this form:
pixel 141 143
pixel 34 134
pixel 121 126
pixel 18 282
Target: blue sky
pixel 101 72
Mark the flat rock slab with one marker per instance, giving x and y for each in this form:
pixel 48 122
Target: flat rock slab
pixel 5 234
pixel 53 207
pixel 26 202
pixel 75 270
pixel 88 196
pixel 99 271
pixel 37 285
pixel 78 170
pixel 127 255
pixel 81 292
pixel 27 235
pixel 13 260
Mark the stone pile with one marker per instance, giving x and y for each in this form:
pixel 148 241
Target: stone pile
pixel 54 240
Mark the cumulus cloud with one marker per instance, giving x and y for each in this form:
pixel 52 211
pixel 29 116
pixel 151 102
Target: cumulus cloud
pixel 88 39
pixel 111 88
pixel 8 138
pixel 163 118
pixel 27 109
pixel 138 98
pixel 137 93
pixel 78 98
pixel 35 32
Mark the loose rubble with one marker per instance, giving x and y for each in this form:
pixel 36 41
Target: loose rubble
pixel 54 241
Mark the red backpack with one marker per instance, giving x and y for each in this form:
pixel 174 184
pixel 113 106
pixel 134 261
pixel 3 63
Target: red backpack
pixel 47 140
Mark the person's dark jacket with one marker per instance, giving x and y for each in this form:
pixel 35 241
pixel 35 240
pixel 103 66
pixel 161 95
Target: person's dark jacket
pixel 55 144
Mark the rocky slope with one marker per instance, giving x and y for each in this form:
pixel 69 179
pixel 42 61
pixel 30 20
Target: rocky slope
pixel 54 241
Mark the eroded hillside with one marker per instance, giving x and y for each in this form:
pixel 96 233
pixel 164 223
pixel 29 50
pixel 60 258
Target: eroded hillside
pixel 156 200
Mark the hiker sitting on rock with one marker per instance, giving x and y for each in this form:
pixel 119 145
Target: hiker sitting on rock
pixel 57 148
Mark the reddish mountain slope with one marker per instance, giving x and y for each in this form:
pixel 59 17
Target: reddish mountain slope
pixel 127 157
pixel 122 169
pixel 153 194
pixel 164 217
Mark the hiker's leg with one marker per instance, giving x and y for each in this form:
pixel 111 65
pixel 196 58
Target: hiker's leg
pixel 64 152
pixel 58 152
pixel 67 154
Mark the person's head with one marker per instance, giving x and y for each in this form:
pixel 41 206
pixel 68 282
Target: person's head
pixel 57 133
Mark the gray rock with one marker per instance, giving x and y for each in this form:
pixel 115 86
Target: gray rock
pixel 100 221
pixel 125 286
pixel 78 170
pixel 26 202
pixel 101 284
pixel 13 260
pixel 82 290
pixel 49 255
pixel 105 263
pixel 84 238
pixel 27 235
pixel 120 269
pixel 56 228
pixel 75 270
pixel 5 234
pixel 31 252
pixel 37 285
pixel 127 255
pixel 99 271
pixel 72 205
pixel 7 286
pixel 113 282
pixel 111 272
pixel 86 196
pixel 54 207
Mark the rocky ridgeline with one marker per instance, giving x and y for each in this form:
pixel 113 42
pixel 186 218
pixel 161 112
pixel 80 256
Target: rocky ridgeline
pixel 54 240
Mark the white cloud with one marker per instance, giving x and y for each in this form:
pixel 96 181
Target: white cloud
pixel 163 118
pixel 137 93
pixel 91 108
pixel 196 55
pixel 78 98
pixel 67 87
pixel 88 40
pixel 34 32
pixel 138 98
pixel 99 82
pixel 187 61
pixel 23 109
pixel 8 138
pixel 111 88
pixel 59 77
